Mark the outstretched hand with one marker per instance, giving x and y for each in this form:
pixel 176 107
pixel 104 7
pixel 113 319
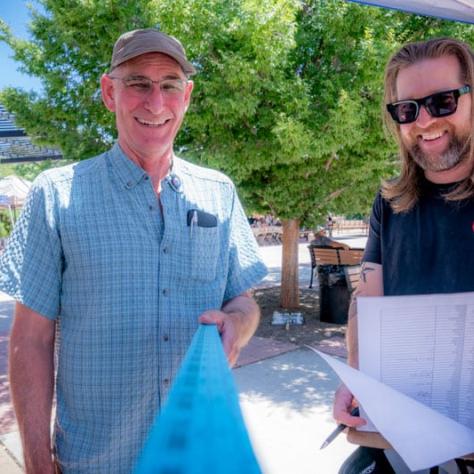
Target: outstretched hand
pixel 228 331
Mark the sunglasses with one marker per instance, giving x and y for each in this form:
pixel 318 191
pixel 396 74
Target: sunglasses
pixel 440 104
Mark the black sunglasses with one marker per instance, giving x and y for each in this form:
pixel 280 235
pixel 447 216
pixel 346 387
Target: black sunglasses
pixel 440 104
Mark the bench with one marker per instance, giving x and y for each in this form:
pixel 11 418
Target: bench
pixel 268 234
pixel 338 275
pixel 342 226
pixel 333 256
pixel 352 274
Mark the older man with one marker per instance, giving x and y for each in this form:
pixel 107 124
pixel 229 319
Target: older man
pixel 115 260
pixel 422 225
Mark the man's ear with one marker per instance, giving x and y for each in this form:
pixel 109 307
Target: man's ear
pixel 187 94
pixel 107 89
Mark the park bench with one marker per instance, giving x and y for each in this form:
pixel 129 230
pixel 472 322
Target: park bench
pixel 268 234
pixel 342 226
pixel 338 275
pixel 332 256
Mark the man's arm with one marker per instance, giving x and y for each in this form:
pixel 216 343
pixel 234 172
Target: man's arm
pixel 236 321
pixel 370 284
pixel 31 369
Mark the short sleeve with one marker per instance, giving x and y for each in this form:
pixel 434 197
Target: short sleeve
pixel 373 251
pixel 246 268
pixel 31 265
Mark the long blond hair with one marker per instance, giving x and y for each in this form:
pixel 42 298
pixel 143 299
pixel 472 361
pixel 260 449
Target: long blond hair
pixel 403 192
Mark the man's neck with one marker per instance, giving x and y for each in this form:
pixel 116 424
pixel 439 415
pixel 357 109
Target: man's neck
pixel 156 166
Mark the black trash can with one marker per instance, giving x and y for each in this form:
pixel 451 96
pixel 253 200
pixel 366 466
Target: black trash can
pixel 334 294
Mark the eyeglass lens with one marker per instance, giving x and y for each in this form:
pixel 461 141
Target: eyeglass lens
pixel 440 104
pixel 142 86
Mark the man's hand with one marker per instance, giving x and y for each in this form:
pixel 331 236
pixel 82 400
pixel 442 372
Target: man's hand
pixel 226 327
pixel 344 402
pixel 236 322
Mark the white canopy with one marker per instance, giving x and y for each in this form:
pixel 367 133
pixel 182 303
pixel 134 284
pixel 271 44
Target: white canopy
pixel 13 191
pixel 460 10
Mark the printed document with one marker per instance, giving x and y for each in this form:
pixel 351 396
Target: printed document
pixel 422 346
pixel 416 378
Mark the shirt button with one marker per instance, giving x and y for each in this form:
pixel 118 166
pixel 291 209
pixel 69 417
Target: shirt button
pixel 150 207
pixel 166 249
pixel 166 381
pixel 129 184
pixel 165 292
pixel 166 338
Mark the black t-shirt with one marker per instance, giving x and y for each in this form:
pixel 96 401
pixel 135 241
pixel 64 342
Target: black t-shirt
pixel 429 249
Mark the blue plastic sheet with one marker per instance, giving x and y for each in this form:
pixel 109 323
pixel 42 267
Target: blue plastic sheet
pixel 200 430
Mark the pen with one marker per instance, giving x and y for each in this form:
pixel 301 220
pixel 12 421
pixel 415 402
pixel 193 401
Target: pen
pixel 194 221
pixel 339 429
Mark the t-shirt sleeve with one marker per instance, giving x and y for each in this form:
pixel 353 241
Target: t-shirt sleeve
pixel 31 265
pixel 246 268
pixel 373 251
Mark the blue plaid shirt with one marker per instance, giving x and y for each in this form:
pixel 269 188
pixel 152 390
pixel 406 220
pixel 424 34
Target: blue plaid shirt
pixel 126 283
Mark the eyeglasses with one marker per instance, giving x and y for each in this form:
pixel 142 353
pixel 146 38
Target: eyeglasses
pixel 440 104
pixel 142 86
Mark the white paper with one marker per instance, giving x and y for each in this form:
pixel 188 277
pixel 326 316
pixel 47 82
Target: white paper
pixel 422 346
pixel 421 436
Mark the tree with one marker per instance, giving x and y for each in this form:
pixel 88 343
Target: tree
pixel 287 100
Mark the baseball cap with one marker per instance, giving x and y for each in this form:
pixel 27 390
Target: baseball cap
pixel 137 42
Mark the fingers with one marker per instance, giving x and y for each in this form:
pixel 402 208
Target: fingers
pixel 213 317
pixel 343 404
pixel 227 331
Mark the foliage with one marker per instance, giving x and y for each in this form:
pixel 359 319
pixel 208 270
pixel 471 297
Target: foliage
pixel 5 223
pixel 287 100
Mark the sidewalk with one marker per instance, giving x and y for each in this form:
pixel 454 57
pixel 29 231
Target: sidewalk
pixel 286 395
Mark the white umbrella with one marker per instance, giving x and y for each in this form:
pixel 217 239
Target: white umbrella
pixel 13 192
pixel 460 10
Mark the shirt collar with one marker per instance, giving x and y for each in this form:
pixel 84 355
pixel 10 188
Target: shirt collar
pixel 128 172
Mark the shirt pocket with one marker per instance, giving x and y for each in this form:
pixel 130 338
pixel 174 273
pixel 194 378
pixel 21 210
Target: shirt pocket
pixel 204 248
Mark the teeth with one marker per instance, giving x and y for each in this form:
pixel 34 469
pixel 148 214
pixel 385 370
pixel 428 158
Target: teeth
pixel 152 124
pixel 432 136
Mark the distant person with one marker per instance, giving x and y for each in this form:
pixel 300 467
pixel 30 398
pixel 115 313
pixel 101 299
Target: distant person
pixel 329 225
pixel 321 240
pixel 115 261
pixel 421 236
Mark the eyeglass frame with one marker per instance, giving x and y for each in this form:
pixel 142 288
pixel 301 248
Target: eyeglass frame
pixel 151 82
pixel 422 102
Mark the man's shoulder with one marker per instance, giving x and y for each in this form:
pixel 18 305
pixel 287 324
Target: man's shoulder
pixel 195 171
pixel 65 174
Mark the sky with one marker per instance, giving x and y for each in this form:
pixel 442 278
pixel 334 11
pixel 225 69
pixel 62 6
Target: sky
pixel 16 14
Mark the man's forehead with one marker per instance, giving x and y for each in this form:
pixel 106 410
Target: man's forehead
pixel 428 76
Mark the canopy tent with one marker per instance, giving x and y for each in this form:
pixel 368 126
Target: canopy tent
pixel 459 10
pixel 13 192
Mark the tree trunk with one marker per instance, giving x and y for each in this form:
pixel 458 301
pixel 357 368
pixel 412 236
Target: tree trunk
pixel 290 297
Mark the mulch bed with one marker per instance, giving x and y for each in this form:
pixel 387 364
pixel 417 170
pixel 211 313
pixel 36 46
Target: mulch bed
pixel 313 332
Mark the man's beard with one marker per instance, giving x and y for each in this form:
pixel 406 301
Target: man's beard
pixel 457 152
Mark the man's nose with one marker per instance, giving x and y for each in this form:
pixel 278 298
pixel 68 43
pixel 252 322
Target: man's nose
pixel 154 100
pixel 425 119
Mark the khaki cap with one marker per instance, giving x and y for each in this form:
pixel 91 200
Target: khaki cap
pixel 137 42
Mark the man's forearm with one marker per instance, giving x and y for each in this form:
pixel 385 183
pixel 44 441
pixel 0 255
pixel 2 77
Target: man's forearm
pixel 31 385
pixel 245 314
pixel 31 370
pixel 351 335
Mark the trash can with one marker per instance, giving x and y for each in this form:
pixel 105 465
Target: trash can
pixel 334 294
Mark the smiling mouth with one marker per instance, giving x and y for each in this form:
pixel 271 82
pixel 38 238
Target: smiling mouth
pixel 431 137
pixel 152 124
